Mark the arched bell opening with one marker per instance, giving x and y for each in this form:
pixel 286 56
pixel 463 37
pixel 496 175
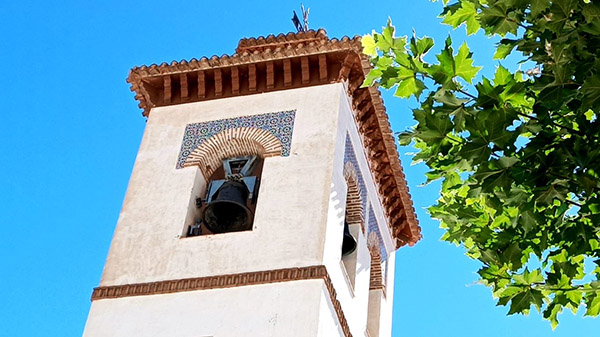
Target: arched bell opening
pixel 228 203
pixel 227 199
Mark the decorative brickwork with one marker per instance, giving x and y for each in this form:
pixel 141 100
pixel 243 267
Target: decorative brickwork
pixel 376 279
pixel 227 281
pixel 284 62
pixel 232 143
pixel 354 203
pixel 290 40
pixel 353 173
pixel 206 144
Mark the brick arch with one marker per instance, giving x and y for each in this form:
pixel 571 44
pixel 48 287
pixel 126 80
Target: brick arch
pixel 354 200
pixel 232 143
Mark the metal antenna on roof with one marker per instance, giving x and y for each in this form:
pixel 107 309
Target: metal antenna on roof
pixel 299 26
pixel 305 16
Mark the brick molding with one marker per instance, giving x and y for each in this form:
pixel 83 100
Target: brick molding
pixel 227 281
pixel 205 144
pixel 232 143
pixel 376 274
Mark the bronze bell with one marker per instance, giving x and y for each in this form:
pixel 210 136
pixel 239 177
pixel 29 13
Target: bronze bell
pixel 349 243
pixel 227 211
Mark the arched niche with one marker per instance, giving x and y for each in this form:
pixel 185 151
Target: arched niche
pixel 208 157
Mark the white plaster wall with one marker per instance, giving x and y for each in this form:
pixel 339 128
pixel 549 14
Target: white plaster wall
pixel 374 315
pixel 291 210
pixel 289 309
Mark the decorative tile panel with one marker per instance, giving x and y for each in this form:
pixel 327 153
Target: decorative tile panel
pixel 279 124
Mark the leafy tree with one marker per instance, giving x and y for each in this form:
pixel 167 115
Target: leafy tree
pixel 518 154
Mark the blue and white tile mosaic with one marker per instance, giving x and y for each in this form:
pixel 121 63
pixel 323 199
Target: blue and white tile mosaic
pixel 279 124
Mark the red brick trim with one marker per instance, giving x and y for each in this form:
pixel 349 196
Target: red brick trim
pixel 376 277
pixel 376 280
pixel 262 43
pixel 227 281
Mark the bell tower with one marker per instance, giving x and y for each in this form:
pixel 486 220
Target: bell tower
pixel 267 199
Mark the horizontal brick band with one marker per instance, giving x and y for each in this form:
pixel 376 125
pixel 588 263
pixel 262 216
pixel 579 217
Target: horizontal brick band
pixel 227 281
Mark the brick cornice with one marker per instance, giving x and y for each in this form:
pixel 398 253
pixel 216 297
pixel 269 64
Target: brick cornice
pixel 291 40
pixel 227 281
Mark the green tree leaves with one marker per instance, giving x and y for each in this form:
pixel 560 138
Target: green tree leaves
pixel 462 12
pixel 463 64
pixel 452 66
pixel 519 154
pixel 592 302
pixel 498 20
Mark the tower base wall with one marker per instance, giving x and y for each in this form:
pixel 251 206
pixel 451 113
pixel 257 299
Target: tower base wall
pixel 275 309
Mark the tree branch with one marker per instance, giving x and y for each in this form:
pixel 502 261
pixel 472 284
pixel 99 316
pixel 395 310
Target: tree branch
pixel 573 203
pixel 466 93
pixel 553 123
pixel 541 285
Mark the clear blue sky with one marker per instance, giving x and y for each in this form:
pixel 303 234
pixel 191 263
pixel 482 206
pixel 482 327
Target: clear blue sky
pixel 70 130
